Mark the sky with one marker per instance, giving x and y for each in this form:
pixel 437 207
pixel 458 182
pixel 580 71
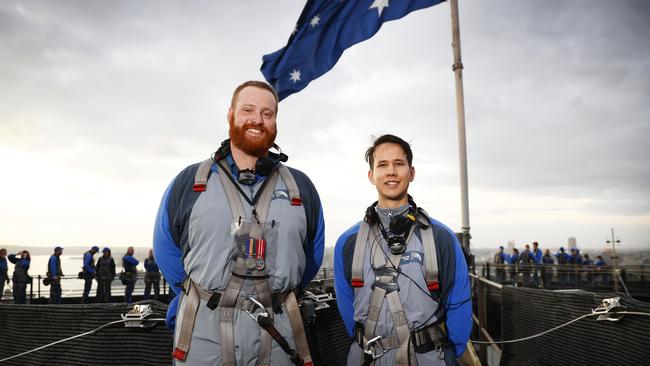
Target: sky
pixel 102 103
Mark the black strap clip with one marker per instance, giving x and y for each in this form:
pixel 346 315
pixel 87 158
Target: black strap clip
pixel 214 300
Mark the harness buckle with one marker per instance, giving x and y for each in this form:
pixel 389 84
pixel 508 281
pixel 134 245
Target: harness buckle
pixel 258 311
pixel 386 278
pixel 372 346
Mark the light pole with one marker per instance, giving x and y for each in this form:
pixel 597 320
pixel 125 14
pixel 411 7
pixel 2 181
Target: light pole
pixel 615 259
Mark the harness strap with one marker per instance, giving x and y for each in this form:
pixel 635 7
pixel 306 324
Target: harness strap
pixel 201 175
pixel 227 312
pixel 189 317
pixel 430 256
pixel 359 253
pixel 292 187
pixel 298 327
pixel 377 296
pixel 232 194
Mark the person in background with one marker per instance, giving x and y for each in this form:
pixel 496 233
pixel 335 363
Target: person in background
pixel 151 277
pixel 88 272
pixel 588 265
pixel 54 274
pixel 525 260
pixel 562 270
pixel 513 259
pixel 4 271
pixel 21 275
pixel 547 270
pixel 105 274
pixel 536 255
pixel 500 259
pixel 603 270
pixel 575 260
pixel 129 263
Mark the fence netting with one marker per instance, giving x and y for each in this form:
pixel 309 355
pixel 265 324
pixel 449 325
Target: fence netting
pixel 526 312
pixel 25 327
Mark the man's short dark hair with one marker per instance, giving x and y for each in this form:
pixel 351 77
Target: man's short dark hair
pixel 388 139
pixel 256 84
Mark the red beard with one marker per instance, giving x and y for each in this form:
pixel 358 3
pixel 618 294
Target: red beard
pixel 254 146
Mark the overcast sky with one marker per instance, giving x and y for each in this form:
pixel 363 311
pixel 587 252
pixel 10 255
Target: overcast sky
pixel 102 103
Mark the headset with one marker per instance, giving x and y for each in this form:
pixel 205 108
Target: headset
pixel 398 227
pixel 263 166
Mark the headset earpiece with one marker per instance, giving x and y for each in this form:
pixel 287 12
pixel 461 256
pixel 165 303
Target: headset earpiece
pixel 371 215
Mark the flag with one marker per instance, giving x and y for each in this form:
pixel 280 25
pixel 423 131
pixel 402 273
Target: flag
pixel 324 30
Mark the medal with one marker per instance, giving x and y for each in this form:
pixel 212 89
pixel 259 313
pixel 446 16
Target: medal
pixel 259 264
pixel 250 263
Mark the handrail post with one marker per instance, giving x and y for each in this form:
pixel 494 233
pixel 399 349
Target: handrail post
pixel 482 319
pixel 39 287
pixel 487 270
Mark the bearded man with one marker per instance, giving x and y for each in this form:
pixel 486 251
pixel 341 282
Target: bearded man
pixel 236 237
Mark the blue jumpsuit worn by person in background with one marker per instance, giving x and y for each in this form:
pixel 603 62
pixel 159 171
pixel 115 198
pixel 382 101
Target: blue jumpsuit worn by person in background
pixel 562 270
pixel 4 275
pixel 450 304
pixel 89 272
pixel 54 273
pixel 20 278
pixel 575 260
pixel 151 278
pixel 536 255
pixel 194 237
pixel 129 263
pixel 547 262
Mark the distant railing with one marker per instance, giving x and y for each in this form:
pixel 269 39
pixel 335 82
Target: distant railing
pixel 72 287
pixel 556 276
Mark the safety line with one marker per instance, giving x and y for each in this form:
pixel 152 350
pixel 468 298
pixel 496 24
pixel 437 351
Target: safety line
pixel 558 327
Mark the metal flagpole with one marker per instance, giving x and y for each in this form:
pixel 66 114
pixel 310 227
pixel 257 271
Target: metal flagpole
pixel 460 117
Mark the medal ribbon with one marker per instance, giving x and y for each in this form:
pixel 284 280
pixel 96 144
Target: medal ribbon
pixel 261 248
pixel 249 248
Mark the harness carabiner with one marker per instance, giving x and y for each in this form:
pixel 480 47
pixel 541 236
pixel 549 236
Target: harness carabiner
pixel 373 345
pixel 258 311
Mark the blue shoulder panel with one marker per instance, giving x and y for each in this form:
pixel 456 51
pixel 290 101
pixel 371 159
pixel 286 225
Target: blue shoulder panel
pixel 454 285
pixel 166 250
pixel 343 253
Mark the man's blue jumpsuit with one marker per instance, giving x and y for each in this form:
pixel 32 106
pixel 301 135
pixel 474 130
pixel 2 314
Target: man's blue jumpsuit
pixel 193 236
pixel 451 303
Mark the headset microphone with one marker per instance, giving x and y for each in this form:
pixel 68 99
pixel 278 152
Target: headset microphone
pixel 263 166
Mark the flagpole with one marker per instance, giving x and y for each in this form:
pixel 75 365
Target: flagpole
pixel 460 117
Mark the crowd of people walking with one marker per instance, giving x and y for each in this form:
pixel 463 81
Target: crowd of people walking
pixel 102 271
pixel 570 269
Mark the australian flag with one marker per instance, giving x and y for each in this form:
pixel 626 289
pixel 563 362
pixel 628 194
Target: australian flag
pixel 324 30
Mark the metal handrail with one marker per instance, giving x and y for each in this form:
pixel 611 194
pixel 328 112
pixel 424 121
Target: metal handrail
pixel 488 282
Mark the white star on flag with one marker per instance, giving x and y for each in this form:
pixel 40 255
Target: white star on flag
pixel 315 20
pixel 295 76
pixel 380 5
